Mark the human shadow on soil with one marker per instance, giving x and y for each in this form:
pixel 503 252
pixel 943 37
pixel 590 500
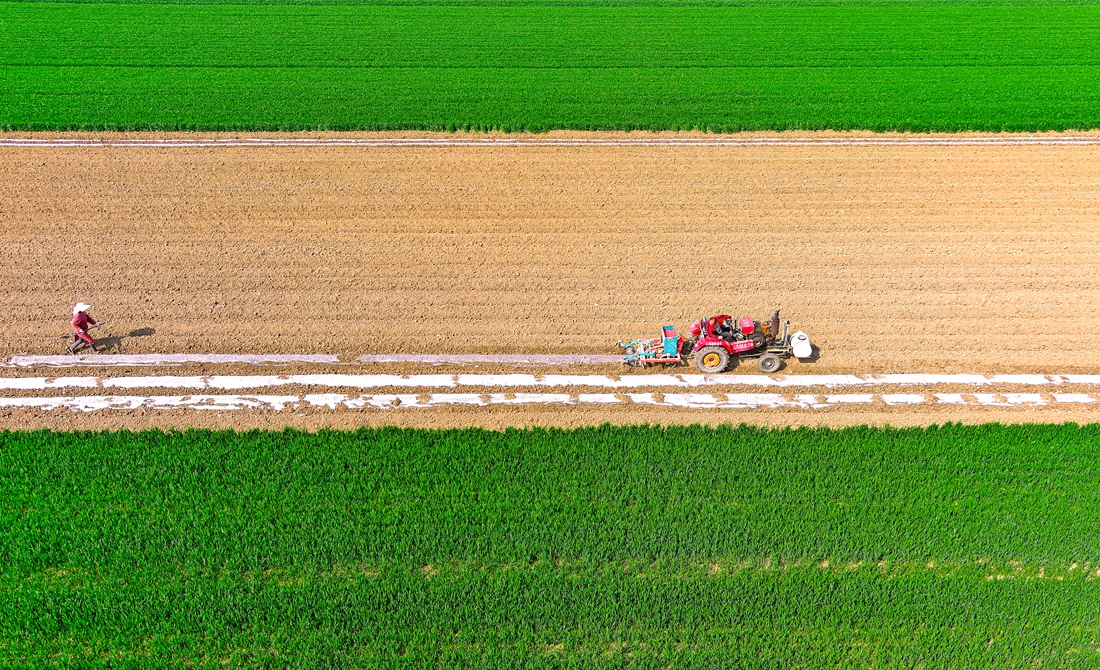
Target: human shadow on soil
pixel 114 342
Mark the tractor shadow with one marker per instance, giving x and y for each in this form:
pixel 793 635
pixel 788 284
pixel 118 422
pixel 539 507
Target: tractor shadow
pixel 815 355
pixel 750 364
pixel 113 343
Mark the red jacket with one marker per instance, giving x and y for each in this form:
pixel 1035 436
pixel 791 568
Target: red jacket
pixel 81 321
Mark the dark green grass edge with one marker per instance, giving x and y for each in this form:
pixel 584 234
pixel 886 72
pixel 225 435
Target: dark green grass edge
pixel 873 429
pixel 585 3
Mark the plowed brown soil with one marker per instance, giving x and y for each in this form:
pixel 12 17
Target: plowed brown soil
pixel 893 259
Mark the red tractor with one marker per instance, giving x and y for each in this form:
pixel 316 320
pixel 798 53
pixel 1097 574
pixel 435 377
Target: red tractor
pixel 720 338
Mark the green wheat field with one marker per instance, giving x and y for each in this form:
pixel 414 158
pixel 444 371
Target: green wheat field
pixel 537 66
pixel 640 547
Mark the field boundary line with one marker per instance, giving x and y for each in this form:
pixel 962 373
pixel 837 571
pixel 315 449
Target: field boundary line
pixel 1008 139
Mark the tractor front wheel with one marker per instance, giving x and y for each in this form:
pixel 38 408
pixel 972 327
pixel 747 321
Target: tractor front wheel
pixel 712 359
pixel 769 363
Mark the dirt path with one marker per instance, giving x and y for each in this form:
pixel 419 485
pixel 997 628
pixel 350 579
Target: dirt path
pixel 894 258
pixel 498 418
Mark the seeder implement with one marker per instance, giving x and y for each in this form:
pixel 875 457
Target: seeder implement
pixel 663 350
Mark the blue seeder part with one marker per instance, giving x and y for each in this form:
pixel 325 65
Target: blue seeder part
pixel 670 341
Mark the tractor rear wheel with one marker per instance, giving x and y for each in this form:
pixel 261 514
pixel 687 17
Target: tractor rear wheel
pixel 712 359
pixel 769 363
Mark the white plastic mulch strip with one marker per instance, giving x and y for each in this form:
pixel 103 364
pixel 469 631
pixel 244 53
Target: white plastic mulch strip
pixel 201 402
pixel 411 400
pixel 510 359
pixel 41 383
pixel 780 140
pixel 1074 397
pixel 1009 399
pixel 330 380
pixel 951 399
pixel 442 381
pixel 135 360
pixel 598 399
pixel 1079 379
pixel 904 399
pixel 397 401
pixel 157 382
pixel 528 398
pixel 850 399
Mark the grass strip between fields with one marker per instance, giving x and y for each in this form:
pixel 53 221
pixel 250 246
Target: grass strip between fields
pixel 918 66
pixel 637 546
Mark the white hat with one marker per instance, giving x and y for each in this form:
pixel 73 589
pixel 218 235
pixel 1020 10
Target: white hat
pixel 81 307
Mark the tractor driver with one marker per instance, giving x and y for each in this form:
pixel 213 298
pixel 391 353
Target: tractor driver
pixel 724 329
pixel 713 327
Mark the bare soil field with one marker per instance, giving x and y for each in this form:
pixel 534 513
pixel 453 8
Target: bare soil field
pixel 893 258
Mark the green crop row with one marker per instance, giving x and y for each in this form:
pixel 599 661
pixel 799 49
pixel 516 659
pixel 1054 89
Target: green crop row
pixel 912 66
pixel 637 546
